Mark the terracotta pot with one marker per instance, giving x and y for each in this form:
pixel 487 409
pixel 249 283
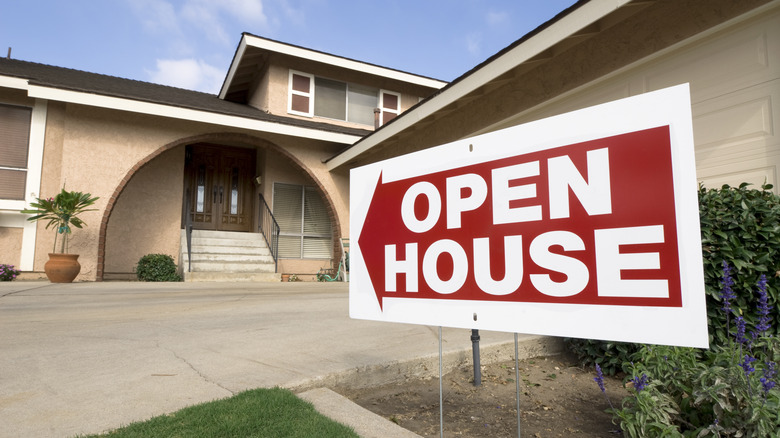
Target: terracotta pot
pixel 62 268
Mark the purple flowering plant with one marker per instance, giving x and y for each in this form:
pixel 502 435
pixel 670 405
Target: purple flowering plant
pixel 599 379
pixel 8 272
pixel 727 390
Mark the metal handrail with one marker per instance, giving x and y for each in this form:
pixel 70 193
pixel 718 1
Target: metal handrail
pixel 269 228
pixel 188 229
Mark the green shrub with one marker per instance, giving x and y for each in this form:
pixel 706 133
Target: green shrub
pixel 610 356
pixel 157 267
pixel 740 226
pixel 728 391
pixel 8 273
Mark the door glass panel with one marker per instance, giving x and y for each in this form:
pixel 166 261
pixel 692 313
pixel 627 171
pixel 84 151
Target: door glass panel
pixel 201 189
pixel 234 192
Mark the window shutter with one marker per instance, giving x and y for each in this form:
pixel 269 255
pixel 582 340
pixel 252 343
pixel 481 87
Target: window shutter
pixel 301 96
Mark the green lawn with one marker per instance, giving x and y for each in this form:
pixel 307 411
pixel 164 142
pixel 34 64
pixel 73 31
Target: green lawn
pixel 256 413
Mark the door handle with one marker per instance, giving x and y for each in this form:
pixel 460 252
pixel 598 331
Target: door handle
pixel 220 194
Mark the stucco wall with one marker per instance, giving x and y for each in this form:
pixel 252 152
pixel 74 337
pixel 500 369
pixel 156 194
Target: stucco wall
pixel 10 246
pixel 147 215
pixel 277 81
pixel 107 153
pixel 91 150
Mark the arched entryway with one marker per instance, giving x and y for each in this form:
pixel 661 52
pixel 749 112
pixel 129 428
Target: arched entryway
pixel 172 158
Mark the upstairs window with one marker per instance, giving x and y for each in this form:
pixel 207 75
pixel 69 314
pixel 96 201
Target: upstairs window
pixel 315 96
pixel 14 148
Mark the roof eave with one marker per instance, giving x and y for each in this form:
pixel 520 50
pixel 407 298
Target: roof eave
pixel 162 110
pixel 233 67
pixel 268 45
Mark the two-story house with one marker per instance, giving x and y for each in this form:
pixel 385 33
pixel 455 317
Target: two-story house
pixel 157 156
pixel 289 124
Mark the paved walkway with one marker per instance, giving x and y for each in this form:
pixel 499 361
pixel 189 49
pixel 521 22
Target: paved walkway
pixel 88 357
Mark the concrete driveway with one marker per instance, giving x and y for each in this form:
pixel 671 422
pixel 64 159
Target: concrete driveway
pixel 88 357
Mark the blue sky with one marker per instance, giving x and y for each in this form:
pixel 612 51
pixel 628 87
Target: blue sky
pixel 190 43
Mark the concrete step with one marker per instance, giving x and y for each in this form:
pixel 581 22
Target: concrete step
pixel 224 235
pixel 229 258
pixel 248 250
pixel 264 277
pixel 218 266
pixel 238 243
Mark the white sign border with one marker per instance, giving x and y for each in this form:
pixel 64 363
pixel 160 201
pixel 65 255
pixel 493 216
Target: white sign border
pixel 683 326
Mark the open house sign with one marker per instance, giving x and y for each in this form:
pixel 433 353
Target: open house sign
pixel 581 225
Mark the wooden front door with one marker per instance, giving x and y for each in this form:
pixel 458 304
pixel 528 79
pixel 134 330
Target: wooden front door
pixel 221 190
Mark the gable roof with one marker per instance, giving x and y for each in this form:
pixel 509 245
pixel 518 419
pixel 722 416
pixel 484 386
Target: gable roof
pixel 253 50
pixel 69 85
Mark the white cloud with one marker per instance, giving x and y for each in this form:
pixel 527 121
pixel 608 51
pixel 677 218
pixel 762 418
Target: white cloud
pixel 210 17
pixel 495 17
pixel 205 18
pixel 474 43
pixel 190 74
pixel 157 16
pixel 189 20
pixel 248 11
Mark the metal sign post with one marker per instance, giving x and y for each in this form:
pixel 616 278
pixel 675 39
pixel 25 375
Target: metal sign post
pixel 441 396
pixel 475 356
pixel 517 385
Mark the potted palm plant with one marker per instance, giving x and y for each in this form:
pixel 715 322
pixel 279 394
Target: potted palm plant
pixel 61 212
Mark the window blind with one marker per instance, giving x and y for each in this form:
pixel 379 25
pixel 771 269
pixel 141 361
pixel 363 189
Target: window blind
pixel 304 222
pixel 14 147
pixel 14 135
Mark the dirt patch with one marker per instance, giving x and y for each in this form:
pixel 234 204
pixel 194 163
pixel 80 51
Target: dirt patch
pixel 557 399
